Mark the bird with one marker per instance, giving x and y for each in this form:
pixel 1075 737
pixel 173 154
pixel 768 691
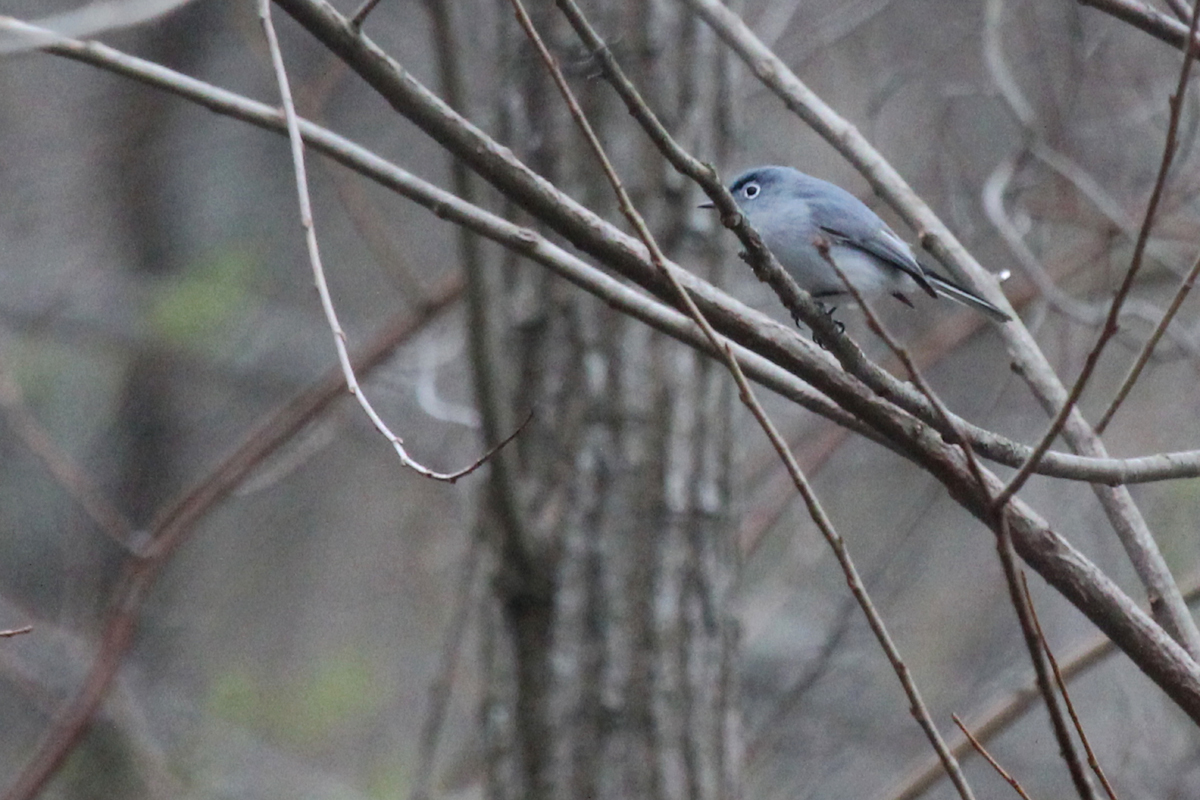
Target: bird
pixel 792 211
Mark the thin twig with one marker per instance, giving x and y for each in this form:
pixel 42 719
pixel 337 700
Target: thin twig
pixel 1185 286
pixel 1027 358
pixel 1000 715
pixel 1147 18
pixel 360 16
pixel 1090 469
pixel 983 752
pixel 1014 577
pixel 816 511
pixel 1093 762
pixel 998 521
pixel 11 632
pixel 74 480
pixel 314 257
pixel 1110 327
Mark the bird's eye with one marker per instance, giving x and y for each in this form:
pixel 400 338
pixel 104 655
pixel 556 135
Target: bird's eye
pixel 751 190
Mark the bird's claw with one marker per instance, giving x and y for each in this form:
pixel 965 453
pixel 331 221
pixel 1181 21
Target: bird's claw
pixel 837 324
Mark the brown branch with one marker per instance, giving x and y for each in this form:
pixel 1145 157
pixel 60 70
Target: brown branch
pixel 1059 681
pixel 1146 18
pixel 995 764
pixel 175 523
pixel 996 520
pixel 74 480
pixel 1110 326
pixel 916 703
pixel 1015 579
pixel 360 16
pixel 1135 371
pixel 1028 360
pixel 1000 715
pixel 314 256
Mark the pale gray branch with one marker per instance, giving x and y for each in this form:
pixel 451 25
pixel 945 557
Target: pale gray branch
pixel 936 237
pixel 1072 574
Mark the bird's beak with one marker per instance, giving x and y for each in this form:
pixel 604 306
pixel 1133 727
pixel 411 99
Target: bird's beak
pixel 709 204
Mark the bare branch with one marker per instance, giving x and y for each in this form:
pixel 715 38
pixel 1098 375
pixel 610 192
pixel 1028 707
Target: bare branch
pixel 359 17
pixel 1018 590
pixel 1004 548
pixel 1189 634
pixel 841 551
pixel 1147 18
pixel 1000 715
pixel 1028 359
pixel 75 481
pixel 314 257
pixel 1185 287
pixel 995 764
pixel 1062 688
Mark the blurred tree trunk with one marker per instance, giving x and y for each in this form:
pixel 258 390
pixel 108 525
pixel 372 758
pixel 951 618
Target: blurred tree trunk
pixel 609 645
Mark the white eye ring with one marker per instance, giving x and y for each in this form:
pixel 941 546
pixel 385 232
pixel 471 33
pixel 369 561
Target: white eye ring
pixel 751 190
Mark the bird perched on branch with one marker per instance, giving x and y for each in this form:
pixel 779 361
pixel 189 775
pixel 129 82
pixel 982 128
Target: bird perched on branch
pixel 795 213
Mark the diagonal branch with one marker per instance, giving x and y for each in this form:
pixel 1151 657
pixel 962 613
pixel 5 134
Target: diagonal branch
pixel 1064 567
pixel 1013 575
pixel 175 523
pixel 314 257
pixel 1135 371
pixel 1110 471
pixel 1109 329
pixel 1028 359
pixel 1080 581
pixel 1146 18
pixel 916 703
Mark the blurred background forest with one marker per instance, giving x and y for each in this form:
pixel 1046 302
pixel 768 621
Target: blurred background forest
pixel 325 623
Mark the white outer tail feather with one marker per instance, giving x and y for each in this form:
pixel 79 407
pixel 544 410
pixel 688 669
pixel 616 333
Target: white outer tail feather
pixel 961 295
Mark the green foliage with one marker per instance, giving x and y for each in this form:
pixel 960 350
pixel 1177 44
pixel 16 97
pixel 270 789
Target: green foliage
pixel 334 692
pixel 195 309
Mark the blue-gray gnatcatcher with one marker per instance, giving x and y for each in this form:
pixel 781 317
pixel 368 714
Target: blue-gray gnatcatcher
pixel 792 211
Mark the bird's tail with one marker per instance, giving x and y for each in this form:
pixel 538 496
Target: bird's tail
pixel 949 288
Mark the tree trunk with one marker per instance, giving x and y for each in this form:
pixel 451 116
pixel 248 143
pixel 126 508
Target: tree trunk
pixel 609 642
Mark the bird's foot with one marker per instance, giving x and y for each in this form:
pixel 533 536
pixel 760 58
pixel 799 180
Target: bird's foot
pixel 827 311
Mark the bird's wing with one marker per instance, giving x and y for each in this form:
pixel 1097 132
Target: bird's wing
pixel 855 225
